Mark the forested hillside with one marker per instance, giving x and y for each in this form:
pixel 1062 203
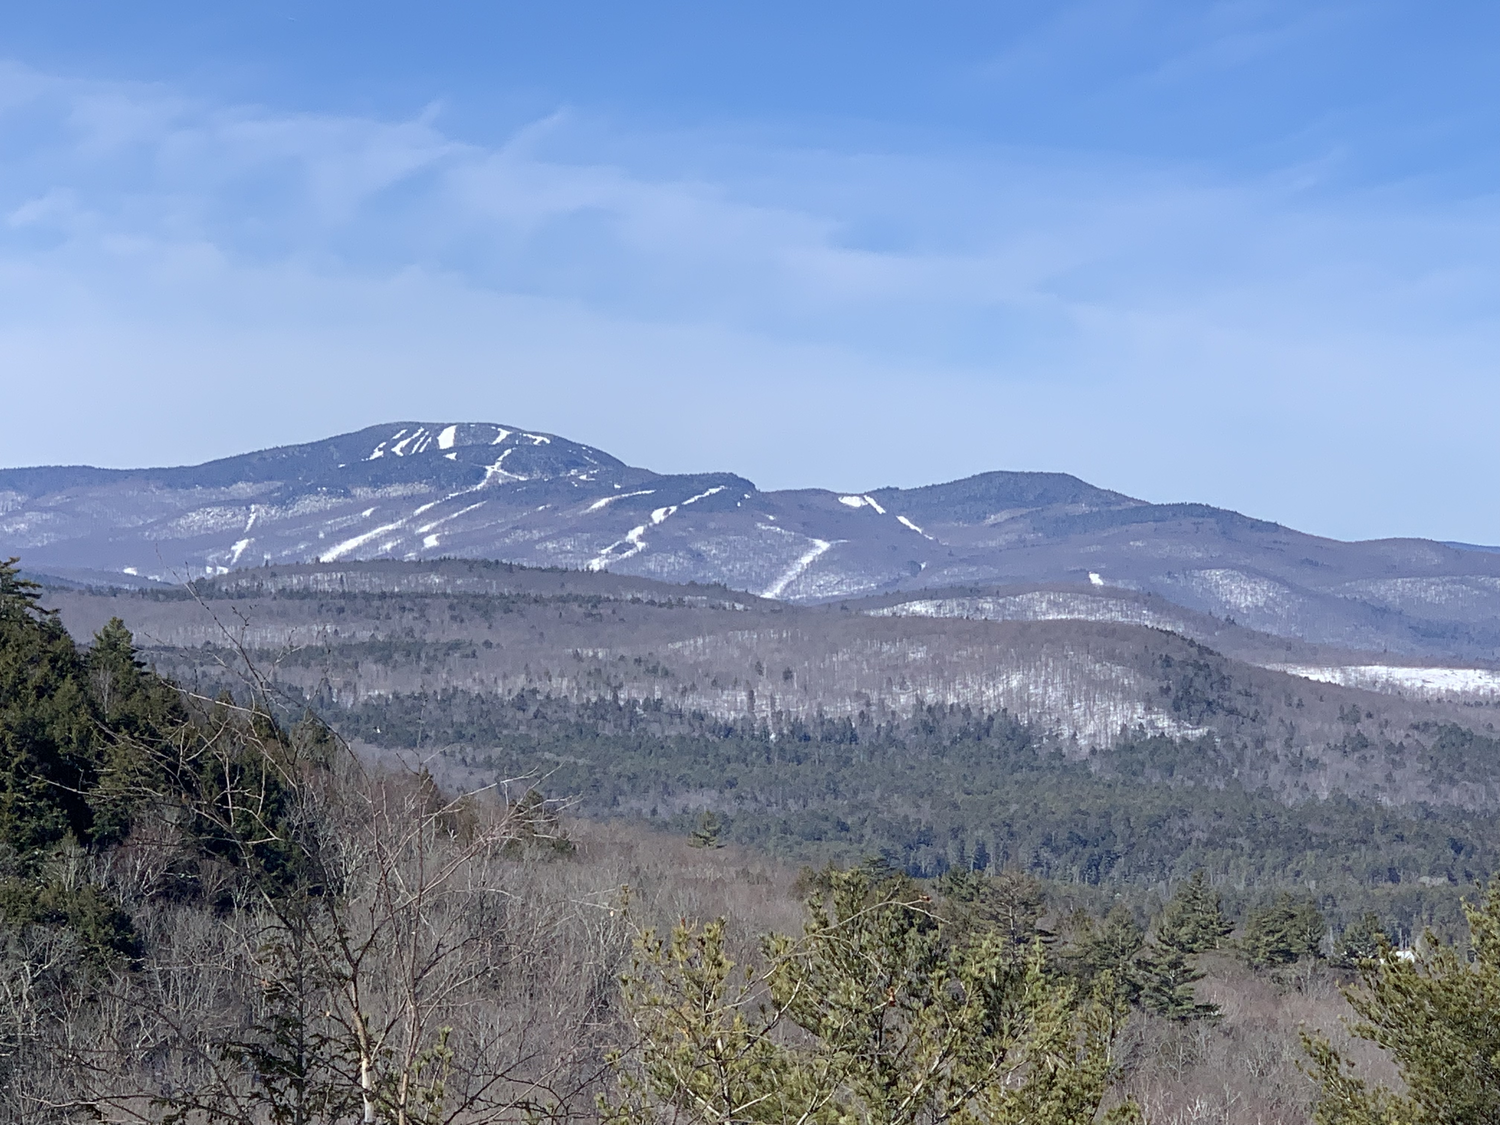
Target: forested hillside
pixel 213 911
pixel 350 632
pixel 1102 754
pixel 947 788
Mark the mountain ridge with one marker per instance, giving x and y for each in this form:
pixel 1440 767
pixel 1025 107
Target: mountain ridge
pixel 424 490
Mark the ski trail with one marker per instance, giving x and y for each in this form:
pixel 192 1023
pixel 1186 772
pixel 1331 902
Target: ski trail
pixel 239 547
pixel 425 528
pixel 703 495
pixel 797 569
pixel 636 537
pixel 357 542
pixel 608 500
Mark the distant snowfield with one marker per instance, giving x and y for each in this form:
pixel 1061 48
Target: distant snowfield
pixel 1427 682
pixel 1043 605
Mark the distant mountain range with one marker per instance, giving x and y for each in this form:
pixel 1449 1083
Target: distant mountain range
pixel 416 490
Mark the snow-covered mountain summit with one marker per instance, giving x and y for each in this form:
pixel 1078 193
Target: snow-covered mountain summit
pixel 419 490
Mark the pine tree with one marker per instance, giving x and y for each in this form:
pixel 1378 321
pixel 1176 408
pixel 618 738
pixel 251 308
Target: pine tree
pixel 1111 947
pixel 1438 1016
pixel 1362 940
pixel 1193 921
pixel 898 1021
pixel 706 835
pixel 1284 931
pixel 1009 901
pixel 1166 978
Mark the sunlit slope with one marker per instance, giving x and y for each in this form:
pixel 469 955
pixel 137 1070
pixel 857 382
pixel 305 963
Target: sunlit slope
pixel 413 491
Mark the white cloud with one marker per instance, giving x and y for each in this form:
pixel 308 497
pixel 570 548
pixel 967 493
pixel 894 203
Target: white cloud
pixel 180 279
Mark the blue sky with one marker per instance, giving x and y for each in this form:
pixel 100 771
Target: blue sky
pixel 1242 253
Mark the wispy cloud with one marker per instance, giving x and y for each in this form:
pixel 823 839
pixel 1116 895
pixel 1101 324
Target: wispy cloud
pixel 795 314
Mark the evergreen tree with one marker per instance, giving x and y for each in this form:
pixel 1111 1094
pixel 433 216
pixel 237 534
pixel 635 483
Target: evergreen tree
pixel 48 727
pixel 899 1022
pixel 1363 939
pixel 706 834
pixel 1284 931
pixel 1010 902
pixel 1167 976
pixel 1438 1017
pixel 138 711
pixel 52 738
pixel 1111 947
pixel 1193 920
pixel 132 701
pixel 90 740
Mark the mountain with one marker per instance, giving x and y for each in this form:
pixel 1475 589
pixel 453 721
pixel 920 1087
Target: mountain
pixel 414 491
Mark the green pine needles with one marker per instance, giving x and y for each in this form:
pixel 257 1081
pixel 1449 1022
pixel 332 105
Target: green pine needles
pixel 1193 921
pixel 882 1011
pixel 1438 1015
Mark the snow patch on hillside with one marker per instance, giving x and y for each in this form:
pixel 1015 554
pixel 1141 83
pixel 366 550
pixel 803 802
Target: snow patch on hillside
pixel 1251 599
pixel 1067 691
pixel 203 521
pixel 1246 593
pixel 1429 683
pixel 1446 596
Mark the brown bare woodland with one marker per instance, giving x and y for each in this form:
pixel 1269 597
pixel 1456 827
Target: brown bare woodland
pixel 365 948
pixel 467 971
